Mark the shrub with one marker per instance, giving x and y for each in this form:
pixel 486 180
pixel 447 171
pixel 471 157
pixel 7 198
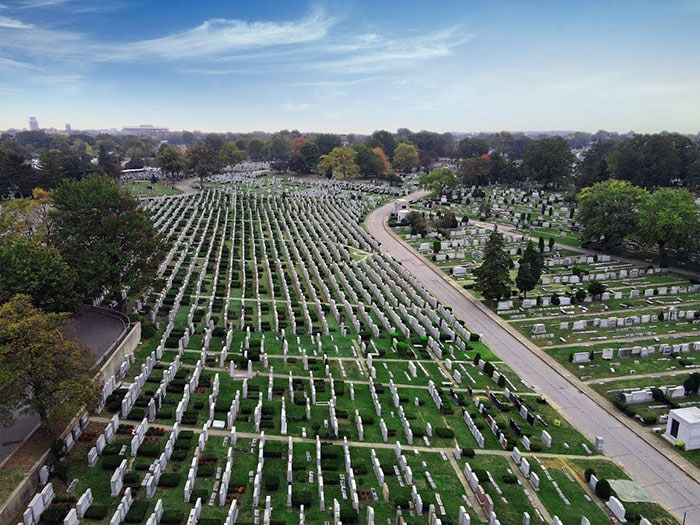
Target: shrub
pixel 150 450
pixel 55 514
pixel 205 471
pixel 271 482
pixel 444 432
pixel 603 490
pixel 588 473
pixel 169 480
pixel 137 512
pixel 96 512
pixel 111 462
pixel 474 337
pixel 468 452
pixel 172 516
pixel 481 475
pixel 131 478
pixel 301 497
pixel 509 478
pixel 148 330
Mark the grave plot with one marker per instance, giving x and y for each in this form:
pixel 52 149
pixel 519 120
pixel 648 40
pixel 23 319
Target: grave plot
pixel 297 375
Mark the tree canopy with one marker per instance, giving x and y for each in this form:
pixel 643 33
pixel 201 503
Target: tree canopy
pixel 608 212
pixel 40 372
pixel 440 180
pixel 530 270
pixel 405 157
pixel 339 163
pixel 548 161
pixel 493 276
pixel 104 236
pixel 668 218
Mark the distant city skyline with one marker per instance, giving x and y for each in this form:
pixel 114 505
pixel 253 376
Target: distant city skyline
pixel 352 67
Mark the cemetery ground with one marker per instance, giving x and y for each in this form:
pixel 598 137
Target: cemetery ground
pixel 643 320
pixel 289 372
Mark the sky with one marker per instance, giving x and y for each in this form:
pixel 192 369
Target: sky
pixel 352 66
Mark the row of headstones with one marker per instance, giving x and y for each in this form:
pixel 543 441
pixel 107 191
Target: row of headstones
pixel 111 383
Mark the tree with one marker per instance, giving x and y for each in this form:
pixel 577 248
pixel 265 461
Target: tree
pixel 471 147
pixel 668 218
pixel 595 288
pixel 40 272
pixel 493 276
pixel 230 155
pixel 41 372
pixel 327 142
pixel 170 161
pixel 440 180
pixel 594 166
pixel 257 149
pixel 475 171
pixel 339 163
pixel 405 157
pixel 382 159
pixel 548 161
pixel 311 155
pixel 531 265
pixel 650 161
pixel 280 150
pixel 608 212
pixel 417 222
pixel 368 162
pixel 104 236
pixel 202 161
pixel 26 218
pixel 108 163
pixel 383 139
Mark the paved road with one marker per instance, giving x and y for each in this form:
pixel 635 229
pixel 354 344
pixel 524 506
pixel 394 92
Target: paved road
pixel 660 477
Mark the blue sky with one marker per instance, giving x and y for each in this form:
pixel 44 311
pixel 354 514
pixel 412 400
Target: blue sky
pixel 352 66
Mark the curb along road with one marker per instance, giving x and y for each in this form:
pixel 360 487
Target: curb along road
pixel 673 485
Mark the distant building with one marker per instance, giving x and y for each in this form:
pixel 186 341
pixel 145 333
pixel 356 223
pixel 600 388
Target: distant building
pixel 68 128
pixel 145 130
pixel 33 124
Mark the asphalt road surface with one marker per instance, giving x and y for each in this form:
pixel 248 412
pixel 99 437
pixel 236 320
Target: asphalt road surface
pixel 678 491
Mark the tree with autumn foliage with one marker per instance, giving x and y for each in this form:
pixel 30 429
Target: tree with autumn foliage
pixel 41 372
pixel 340 162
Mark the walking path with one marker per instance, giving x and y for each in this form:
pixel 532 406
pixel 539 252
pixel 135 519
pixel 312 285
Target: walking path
pixel 671 482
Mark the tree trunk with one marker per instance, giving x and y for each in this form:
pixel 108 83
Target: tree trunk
pixel 663 254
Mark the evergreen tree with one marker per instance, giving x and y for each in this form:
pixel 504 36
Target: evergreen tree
pixel 531 264
pixel 493 276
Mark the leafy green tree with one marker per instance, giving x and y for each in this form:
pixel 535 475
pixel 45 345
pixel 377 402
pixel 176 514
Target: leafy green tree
pixel 40 272
pixel 595 288
pixel 471 147
pixel 417 222
pixel 202 161
pixel 650 161
pixel 26 219
pixel 105 237
pixel 170 161
pixel 493 276
pixel 280 150
pixel 51 169
pixel 311 155
pixel 230 155
pixel 368 162
pixel 327 142
pixel 608 212
pixel 530 270
pixel 339 163
pixel 475 171
pixel 594 166
pixel 257 149
pixel 439 180
pixel 385 140
pixel 405 157
pixel 548 161
pixel 41 372
pixel 108 163
pixel 16 173
pixel 668 218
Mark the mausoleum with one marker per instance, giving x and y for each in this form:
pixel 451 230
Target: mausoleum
pixel 684 425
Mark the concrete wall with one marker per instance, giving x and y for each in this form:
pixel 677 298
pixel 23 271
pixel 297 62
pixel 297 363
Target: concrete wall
pixel 17 501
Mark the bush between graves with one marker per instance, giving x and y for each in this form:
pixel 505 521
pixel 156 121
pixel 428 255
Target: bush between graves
pixel 444 432
pixel 169 480
pixel 111 462
pixel 302 497
pixel 96 512
pixel 55 514
pixel 137 512
pixel 136 413
pixel 172 516
pixel 588 473
pixel 481 475
pixel 199 493
pixel 348 514
pixel 131 478
pixel 468 452
pixel 149 450
pixel 205 471
pixel 509 478
pixel 112 449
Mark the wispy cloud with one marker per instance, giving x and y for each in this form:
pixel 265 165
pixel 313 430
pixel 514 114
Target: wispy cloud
pixel 221 37
pixel 11 23
pixel 36 4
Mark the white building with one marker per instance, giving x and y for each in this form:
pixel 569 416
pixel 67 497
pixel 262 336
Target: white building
pixel 684 425
pixel 401 209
